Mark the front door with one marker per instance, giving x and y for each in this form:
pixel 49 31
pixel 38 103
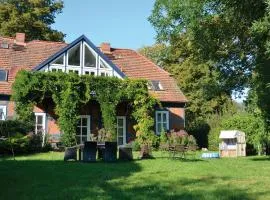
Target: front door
pixel 121 130
pixel 83 129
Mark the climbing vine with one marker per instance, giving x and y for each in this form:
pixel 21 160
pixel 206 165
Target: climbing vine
pixel 70 92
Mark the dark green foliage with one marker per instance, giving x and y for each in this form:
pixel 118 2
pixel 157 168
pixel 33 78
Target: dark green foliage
pixel 70 91
pixel 13 127
pixel 231 37
pixel 23 144
pixel 33 17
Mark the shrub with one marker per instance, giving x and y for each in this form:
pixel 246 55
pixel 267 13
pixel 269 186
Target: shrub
pixel 135 145
pixel 12 127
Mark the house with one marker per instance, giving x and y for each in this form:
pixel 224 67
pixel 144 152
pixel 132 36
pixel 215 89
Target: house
pixel 84 58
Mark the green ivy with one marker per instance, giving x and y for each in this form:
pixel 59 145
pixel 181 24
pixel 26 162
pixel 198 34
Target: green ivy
pixel 70 92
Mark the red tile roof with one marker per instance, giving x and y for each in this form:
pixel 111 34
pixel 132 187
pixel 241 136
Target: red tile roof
pixel 129 61
pixel 27 58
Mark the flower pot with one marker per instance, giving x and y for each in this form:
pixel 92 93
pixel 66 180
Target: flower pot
pixel 125 153
pixel 89 151
pixel 70 153
pixel 110 152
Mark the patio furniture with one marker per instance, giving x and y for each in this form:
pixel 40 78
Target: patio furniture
pixel 177 149
pixel 110 152
pixel 70 153
pixel 125 153
pixel 89 151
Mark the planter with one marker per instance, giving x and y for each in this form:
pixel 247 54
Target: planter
pixel 125 153
pixel 110 152
pixel 89 151
pixel 146 152
pixel 70 153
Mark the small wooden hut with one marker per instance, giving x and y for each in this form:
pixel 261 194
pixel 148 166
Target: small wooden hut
pixel 233 143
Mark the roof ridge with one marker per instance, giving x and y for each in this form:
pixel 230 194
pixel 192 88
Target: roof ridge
pixel 46 41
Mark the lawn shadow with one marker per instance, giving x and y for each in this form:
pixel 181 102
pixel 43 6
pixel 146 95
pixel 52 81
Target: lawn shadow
pixel 55 179
pixel 261 158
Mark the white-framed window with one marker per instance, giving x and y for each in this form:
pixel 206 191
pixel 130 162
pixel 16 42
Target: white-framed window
pixel 60 61
pixel 121 130
pixel 3 112
pixel 89 57
pixel 83 129
pixel 74 56
pixel 40 123
pixel 162 121
pixel 89 72
pixel 74 70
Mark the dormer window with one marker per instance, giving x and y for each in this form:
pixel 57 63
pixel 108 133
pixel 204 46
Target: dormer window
pixel 3 75
pixel 89 57
pixel 74 56
pixel 155 85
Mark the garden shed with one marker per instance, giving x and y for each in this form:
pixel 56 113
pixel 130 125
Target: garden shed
pixel 233 143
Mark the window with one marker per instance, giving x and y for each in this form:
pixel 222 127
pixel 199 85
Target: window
pixel 92 73
pixel 74 56
pixel 83 129
pixel 89 57
pixel 3 112
pixel 58 61
pixel 3 75
pixel 121 130
pixel 102 64
pixel 155 85
pixel 40 123
pixel 73 71
pixel 162 121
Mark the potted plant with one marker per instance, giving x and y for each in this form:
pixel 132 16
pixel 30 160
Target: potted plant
pixel 90 149
pixel 125 152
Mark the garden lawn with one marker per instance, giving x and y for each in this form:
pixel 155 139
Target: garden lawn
pixel 46 176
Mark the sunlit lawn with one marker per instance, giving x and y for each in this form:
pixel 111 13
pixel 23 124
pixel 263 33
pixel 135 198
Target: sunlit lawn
pixel 46 176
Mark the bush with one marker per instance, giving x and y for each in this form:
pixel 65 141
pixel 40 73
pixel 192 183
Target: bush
pixel 23 144
pixel 12 127
pixel 135 145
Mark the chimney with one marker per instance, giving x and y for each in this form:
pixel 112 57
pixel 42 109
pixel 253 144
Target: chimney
pixel 20 39
pixel 105 47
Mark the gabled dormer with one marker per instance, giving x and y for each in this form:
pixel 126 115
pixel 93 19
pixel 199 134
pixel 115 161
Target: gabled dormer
pixel 83 58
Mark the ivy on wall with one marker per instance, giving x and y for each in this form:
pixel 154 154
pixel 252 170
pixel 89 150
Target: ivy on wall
pixel 70 92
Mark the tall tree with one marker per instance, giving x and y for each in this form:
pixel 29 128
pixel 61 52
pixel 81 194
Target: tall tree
pixel 232 35
pixel 33 17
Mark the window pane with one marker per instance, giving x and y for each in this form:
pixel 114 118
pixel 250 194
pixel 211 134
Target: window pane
pixel 53 70
pixel 59 61
pixel 120 131
pixel 39 119
pixel 92 73
pixel 3 75
pixel 120 123
pixel 84 138
pixel 164 117
pixel 159 117
pixel 59 70
pixel 78 138
pixel 102 64
pixel 102 74
pixel 78 131
pixel 120 140
pixel 84 130
pixel 165 126
pixel 159 127
pixel 84 121
pixel 89 59
pixel 74 55
pixel 76 71
pixel 87 73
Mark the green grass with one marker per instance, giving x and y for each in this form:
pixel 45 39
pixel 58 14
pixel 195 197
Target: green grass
pixel 46 176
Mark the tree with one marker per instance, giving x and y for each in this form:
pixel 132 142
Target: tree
pixel 33 17
pixel 231 35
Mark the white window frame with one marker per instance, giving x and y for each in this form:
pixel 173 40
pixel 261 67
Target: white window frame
pixel 81 53
pixel 88 117
pixel 90 71
pixel 93 52
pixel 124 129
pixel 161 112
pixel 4 116
pixel 43 122
pixel 108 71
pixel 57 67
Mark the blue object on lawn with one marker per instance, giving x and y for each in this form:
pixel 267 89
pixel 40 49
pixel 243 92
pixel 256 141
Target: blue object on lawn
pixel 210 155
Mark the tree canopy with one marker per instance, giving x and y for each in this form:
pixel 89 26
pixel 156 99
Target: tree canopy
pixel 33 17
pixel 232 36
